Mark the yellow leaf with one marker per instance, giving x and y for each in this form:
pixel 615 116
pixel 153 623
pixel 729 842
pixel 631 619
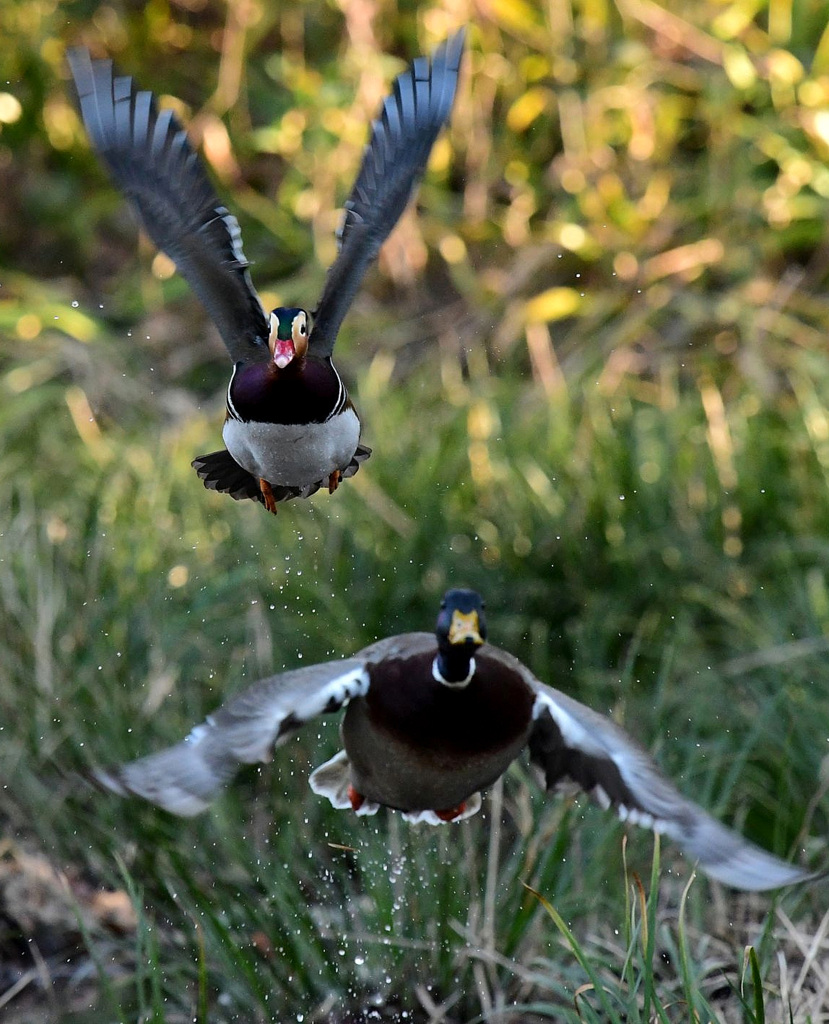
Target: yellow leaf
pixel 516 15
pixel 554 304
pixel 527 108
pixel 521 20
pixel 785 67
pixel 739 68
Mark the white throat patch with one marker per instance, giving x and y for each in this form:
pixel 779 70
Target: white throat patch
pixel 453 684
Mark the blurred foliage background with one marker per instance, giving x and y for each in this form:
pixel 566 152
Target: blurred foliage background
pixel 591 364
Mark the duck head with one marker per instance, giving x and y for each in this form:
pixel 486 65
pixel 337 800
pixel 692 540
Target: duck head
pixel 288 339
pixel 460 631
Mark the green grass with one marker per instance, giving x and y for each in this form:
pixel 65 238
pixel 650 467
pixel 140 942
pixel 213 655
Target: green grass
pixel 602 403
pixel 250 906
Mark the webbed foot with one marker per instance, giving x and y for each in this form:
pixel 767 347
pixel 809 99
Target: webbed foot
pixel 267 495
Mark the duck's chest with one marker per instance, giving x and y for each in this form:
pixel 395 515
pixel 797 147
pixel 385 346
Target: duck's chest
pixel 309 391
pixel 291 429
pixel 406 704
pixel 416 744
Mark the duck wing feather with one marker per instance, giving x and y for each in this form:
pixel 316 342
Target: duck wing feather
pixel 151 159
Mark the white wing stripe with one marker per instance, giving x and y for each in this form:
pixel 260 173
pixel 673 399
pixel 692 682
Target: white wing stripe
pixel 577 737
pixel 338 691
pixel 574 734
pixel 231 408
pixel 252 745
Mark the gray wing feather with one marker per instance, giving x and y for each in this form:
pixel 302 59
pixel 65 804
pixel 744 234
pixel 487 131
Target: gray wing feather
pixel 393 163
pixel 572 742
pixel 184 778
pixel 152 162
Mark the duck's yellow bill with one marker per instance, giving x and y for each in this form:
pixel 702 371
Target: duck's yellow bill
pixel 464 627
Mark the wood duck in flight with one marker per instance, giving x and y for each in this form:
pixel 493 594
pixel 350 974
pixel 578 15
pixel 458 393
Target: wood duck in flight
pixel 290 427
pixel 431 720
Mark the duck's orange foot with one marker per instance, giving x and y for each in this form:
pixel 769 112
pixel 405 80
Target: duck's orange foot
pixel 267 494
pixel 334 481
pixel 452 812
pixel 355 799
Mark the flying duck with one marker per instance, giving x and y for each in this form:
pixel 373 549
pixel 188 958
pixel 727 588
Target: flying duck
pixel 291 427
pixel 430 721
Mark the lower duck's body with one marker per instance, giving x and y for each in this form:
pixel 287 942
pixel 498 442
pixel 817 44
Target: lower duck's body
pixel 431 720
pixel 429 759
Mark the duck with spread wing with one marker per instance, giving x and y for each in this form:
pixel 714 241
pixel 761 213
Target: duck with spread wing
pixel 291 427
pixel 431 720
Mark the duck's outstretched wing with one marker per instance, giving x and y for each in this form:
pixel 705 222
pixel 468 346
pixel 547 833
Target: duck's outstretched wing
pixel 153 163
pixel 394 160
pixel 570 742
pixel 184 779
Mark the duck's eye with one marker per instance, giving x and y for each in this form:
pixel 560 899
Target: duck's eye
pixel 303 327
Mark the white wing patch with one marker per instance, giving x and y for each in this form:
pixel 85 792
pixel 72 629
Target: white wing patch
pixel 338 692
pixel 234 233
pixel 573 732
pixel 256 743
pixel 722 853
pixel 186 777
